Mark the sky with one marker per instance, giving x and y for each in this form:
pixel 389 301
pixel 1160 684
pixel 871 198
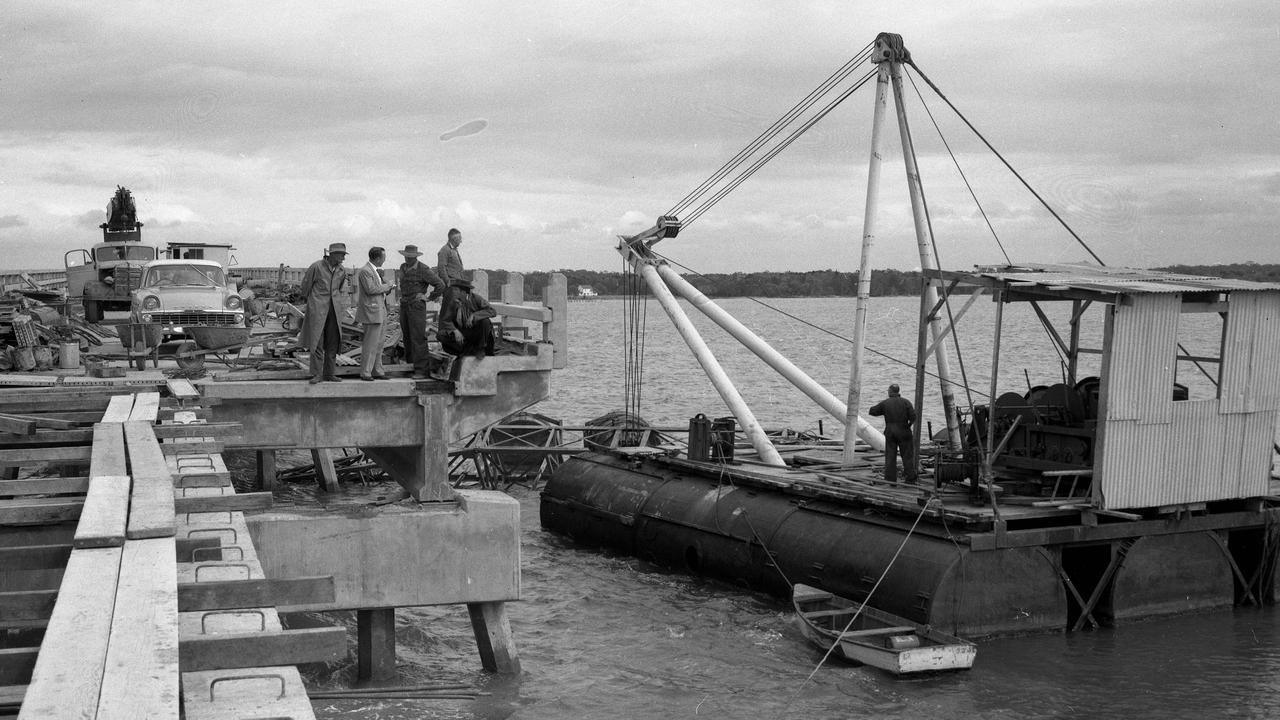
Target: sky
pixel 544 130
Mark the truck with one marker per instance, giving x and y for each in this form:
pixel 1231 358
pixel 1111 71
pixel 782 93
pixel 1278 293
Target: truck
pixel 105 276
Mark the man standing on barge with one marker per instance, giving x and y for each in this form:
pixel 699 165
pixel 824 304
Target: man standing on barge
pixel 416 282
pixel 324 285
pixel 899 416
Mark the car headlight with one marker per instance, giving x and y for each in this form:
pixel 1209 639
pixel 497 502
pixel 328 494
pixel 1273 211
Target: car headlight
pixel 151 302
pixel 233 302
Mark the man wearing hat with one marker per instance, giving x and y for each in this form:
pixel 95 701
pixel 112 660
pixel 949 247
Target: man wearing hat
pixel 324 285
pixel 464 327
pixel 416 283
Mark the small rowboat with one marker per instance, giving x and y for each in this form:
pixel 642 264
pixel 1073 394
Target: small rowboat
pixel 875 637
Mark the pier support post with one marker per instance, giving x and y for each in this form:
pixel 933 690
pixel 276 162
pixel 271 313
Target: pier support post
pixel 325 472
pixel 376 644
pixel 493 637
pixel 267 469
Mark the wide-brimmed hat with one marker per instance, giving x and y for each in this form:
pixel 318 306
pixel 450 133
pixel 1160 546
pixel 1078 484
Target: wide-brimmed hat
pixel 410 251
pixel 337 248
pixel 462 282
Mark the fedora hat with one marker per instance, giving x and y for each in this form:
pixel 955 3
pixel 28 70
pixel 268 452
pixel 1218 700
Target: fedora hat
pixel 410 251
pixel 337 248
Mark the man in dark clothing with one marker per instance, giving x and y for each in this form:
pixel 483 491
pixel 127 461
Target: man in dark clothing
pixel 465 328
pixel 899 416
pixel 416 283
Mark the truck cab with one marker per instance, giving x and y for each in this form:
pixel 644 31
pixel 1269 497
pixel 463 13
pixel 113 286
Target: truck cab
pixel 106 275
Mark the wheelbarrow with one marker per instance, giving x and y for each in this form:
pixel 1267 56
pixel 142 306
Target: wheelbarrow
pixel 140 341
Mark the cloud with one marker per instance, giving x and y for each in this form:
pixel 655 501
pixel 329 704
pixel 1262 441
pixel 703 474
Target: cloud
pixel 11 221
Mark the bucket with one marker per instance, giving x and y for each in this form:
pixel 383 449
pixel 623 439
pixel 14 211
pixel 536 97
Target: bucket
pixel 722 439
pixel 699 437
pixel 69 355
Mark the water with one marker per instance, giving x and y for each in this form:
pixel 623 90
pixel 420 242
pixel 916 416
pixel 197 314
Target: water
pixel 604 636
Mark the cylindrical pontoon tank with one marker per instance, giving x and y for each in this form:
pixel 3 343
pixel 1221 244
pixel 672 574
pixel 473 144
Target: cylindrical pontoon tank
pixel 710 526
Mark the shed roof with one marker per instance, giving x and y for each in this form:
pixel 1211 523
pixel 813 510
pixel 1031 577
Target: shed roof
pixel 1069 281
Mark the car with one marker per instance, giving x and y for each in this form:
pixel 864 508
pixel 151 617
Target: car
pixel 191 299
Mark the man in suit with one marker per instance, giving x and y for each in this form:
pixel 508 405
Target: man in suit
pixel 899 416
pixel 371 313
pixel 448 261
pixel 324 285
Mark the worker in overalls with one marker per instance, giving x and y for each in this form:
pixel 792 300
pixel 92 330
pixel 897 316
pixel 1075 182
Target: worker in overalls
pixel 899 416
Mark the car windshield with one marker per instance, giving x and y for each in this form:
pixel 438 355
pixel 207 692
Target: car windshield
pixel 185 275
pixel 126 252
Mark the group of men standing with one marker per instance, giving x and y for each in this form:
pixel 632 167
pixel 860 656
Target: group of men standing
pixel 463 326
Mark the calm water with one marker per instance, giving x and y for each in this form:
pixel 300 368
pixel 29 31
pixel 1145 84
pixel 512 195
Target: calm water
pixel 613 637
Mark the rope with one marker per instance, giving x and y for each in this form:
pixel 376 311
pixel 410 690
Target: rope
pixel 769 133
pixel 635 316
pixel 795 134
pixel 990 147
pixel 854 618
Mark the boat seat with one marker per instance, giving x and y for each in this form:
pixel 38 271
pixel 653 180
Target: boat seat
pixel 879 631
pixel 830 613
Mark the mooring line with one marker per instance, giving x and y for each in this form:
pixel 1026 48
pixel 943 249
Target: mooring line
pixel 848 625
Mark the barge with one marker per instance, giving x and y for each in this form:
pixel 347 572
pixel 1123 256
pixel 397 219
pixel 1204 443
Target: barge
pixel 1096 500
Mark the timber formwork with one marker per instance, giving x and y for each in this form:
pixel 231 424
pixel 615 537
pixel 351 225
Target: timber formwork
pixel 132 587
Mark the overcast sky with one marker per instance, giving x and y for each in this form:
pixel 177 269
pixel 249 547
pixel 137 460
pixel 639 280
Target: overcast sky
pixel 544 129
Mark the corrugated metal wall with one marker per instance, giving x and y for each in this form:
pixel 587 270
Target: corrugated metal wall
pixel 1159 452
pixel 1140 373
pixel 1250 367
pixel 1201 455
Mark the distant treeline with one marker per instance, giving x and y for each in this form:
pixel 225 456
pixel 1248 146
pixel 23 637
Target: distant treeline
pixel 820 283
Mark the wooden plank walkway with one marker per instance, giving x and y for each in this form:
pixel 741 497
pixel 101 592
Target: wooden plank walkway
pixel 116 644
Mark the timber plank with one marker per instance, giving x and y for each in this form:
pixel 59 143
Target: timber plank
pixel 182 389
pixel 108 456
pixel 227 429
pixel 145 407
pixel 54 423
pixel 198 447
pixel 151 502
pixel 33 557
pixel 67 678
pixel 140 679
pixel 75 436
pixel 223 503
pixel 32 456
pixel 106 512
pixel 261 649
pixel 16 425
pixel 16 665
pixel 24 605
pixel 44 486
pixel 255 592
pixel 52 404
pixel 39 511
pixel 119 409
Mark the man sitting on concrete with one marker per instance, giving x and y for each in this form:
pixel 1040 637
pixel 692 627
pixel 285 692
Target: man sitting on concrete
pixel 464 326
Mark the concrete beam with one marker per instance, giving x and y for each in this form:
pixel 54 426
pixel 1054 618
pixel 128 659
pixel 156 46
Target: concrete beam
pixel 467 551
